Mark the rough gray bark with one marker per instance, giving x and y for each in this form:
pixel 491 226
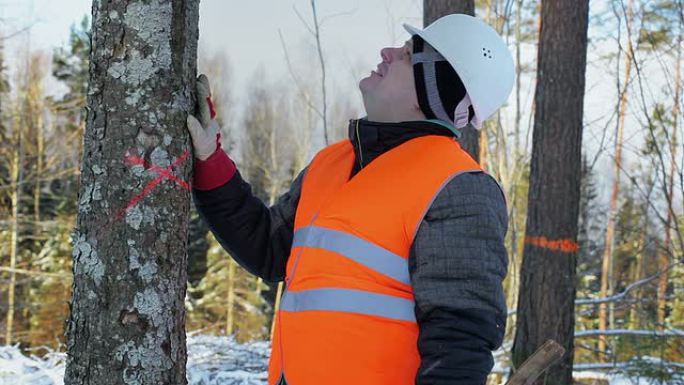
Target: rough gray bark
pixel 433 10
pixel 547 290
pixel 127 311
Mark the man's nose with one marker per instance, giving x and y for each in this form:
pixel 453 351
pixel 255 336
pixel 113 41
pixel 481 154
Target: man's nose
pixel 386 54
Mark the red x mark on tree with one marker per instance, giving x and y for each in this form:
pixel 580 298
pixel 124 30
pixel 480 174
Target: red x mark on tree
pixel 164 173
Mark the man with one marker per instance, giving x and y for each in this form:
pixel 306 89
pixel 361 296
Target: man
pixel 390 243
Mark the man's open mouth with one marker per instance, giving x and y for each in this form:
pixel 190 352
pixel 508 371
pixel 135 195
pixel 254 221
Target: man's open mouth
pixel 379 70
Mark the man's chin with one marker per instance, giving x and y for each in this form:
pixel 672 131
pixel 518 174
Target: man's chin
pixel 366 84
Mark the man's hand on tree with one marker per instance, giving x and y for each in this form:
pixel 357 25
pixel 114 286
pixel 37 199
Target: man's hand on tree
pixel 205 132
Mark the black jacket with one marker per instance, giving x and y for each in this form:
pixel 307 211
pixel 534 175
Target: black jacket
pixel 457 262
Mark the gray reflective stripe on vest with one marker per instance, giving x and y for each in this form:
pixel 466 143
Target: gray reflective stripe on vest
pixel 349 301
pixel 364 252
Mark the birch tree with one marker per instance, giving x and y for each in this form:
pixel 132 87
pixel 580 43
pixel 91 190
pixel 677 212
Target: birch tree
pixel 660 35
pixel 16 161
pixel 669 13
pixel 25 156
pixel 126 324
pixel 271 149
pixel 607 270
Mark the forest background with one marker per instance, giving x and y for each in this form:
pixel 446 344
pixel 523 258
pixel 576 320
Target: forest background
pixel 262 60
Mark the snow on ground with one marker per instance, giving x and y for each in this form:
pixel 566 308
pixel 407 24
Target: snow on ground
pixel 219 360
pixel 613 378
pixel 211 361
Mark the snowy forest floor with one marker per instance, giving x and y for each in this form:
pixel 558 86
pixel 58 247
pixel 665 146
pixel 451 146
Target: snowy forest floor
pixel 212 360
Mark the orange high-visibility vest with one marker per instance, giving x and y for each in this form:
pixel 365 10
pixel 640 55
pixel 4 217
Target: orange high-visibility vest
pixel 347 313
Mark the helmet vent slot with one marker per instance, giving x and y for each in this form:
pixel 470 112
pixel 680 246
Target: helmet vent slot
pixel 486 52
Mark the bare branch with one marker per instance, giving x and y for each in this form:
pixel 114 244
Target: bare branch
pixel 619 365
pixel 334 15
pixel 301 18
pixel 619 296
pixel 17 32
pixel 619 332
pixel 320 56
pixel 35 273
pixel 297 81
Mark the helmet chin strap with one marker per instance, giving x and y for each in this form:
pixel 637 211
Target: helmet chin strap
pixel 463 112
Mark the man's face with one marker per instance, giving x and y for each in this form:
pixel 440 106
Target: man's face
pixel 390 89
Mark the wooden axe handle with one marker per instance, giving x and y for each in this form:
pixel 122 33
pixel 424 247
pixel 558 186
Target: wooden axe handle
pixel 537 363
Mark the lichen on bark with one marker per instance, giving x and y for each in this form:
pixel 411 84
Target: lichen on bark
pixel 126 324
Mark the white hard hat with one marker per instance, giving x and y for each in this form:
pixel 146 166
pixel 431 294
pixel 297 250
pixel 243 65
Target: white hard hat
pixel 479 56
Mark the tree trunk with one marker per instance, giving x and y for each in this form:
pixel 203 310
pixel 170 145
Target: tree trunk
pixel 665 254
pixel 518 75
pixel 433 10
pixel 518 158
pixel 482 145
pixel 34 110
pixel 638 273
pixel 483 133
pixel 127 321
pixel 40 155
pixel 276 307
pixel 17 175
pixel 547 288
pixel 230 305
pixel 607 283
pixel 279 290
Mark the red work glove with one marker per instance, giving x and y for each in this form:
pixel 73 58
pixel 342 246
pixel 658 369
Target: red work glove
pixel 213 168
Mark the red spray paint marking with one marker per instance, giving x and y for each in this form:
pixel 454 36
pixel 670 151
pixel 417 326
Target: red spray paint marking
pixel 164 173
pixel 563 245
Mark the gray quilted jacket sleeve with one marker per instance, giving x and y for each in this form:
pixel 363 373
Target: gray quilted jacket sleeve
pixel 258 237
pixel 458 262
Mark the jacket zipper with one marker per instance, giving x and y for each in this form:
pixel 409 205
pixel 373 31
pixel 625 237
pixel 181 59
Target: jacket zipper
pixel 358 141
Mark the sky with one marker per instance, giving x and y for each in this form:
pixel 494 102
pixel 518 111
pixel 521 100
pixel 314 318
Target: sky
pixel 248 32
pixel 352 33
